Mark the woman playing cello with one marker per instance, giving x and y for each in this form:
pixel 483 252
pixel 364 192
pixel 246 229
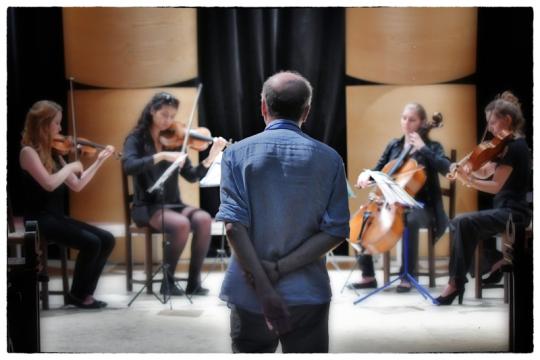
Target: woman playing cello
pixel 429 154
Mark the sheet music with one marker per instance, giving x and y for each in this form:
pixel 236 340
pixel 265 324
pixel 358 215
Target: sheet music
pixel 392 192
pixel 213 176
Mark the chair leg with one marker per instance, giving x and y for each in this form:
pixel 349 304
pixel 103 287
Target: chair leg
pixel 431 258
pixel 44 293
pixel 148 261
pixel 506 288
pixel 386 266
pixel 65 281
pixel 129 262
pixel 477 270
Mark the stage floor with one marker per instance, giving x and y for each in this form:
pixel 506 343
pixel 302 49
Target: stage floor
pixel 386 322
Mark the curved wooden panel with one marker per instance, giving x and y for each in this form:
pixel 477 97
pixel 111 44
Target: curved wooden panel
pixel 411 45
pixel 106 117
pixel 130 47
pixel 373 118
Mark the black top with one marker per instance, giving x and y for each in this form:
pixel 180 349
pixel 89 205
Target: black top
pixel 434 160
pixel 138 161
pixel 513 193
pixel 39 201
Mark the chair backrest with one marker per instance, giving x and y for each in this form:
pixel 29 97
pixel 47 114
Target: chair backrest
pixel 450 191
pixel 10 217
pixel 127 194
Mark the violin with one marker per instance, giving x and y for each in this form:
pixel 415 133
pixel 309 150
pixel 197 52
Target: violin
pixel 63 145
pixel 172 138
pixel 483 153
pixel 377 225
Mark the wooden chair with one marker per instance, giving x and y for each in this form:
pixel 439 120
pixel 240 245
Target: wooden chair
pixel 130 230
pixel 44 276
pixel 449 192
pixel 507 241
pixel 15 235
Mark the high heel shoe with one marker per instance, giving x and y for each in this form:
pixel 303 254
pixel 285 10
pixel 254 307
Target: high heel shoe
pixel 449 299
pixel 493 278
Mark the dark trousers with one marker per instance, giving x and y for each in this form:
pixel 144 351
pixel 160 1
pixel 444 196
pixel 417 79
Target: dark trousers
pixel 416 219
pixel 94 245
pixel 469 228
pixel 309 334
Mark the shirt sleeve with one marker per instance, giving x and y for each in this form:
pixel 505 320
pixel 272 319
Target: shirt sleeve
pixel 335 220
pixel 233 207
pixel 134 160
pixel 510 155
pixel 436 157
pixel 193 173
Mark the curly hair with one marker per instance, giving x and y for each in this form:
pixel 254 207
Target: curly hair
pixel 36 133
pixel 505 104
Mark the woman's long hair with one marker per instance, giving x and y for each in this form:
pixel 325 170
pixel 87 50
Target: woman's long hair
pixel 508 104
pixel 145 120
pixel 36 132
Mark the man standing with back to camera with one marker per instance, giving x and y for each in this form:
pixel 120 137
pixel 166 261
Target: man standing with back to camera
pixel 284 202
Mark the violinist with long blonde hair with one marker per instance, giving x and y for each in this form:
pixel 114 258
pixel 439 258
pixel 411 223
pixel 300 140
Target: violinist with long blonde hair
pixel 45 176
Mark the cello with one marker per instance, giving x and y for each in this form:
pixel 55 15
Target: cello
pixel 377 225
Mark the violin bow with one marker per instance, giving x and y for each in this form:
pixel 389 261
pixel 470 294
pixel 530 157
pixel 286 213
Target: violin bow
pixel 186 137
pixel 73 121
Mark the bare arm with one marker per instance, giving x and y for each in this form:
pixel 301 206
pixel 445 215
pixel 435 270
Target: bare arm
pixel 30 161
pixel 485 171
pixel 77 184
pixel 274 309
pixel 493 186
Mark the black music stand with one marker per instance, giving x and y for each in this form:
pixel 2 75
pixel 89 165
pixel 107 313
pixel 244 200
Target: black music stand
pixel 163 267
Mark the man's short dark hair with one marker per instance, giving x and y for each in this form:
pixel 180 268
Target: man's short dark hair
pixel 287 99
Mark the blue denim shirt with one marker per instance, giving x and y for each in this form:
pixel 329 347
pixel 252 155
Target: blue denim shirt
pixel 284 186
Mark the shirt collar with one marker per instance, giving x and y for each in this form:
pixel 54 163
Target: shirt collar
pixel 283 124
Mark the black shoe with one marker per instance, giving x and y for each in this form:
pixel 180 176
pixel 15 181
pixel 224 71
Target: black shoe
pixel 449 299
pixel 401 288
pixel 96 304
pixel 366 285
pixel 171 289
pixel 493 278
pixel 198 290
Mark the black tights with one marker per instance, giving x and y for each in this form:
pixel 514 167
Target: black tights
pixel 179 225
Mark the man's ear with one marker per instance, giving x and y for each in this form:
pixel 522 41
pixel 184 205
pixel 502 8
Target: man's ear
pixel 305 114
pixel 264 108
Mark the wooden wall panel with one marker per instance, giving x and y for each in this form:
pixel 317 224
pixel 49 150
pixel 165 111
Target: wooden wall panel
pixel 410 45
pixel 373 118
pixel 130 47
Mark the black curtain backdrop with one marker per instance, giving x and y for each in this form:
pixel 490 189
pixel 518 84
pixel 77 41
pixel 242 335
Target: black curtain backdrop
pixel 238 49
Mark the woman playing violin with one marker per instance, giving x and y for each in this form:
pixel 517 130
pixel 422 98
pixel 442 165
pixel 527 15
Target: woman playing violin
pixel 46 175
pixel 145 158
pixel 429 154
pixel 506 176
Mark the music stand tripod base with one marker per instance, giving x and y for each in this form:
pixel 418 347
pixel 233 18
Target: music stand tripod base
pixel 404 276
pixel 163 267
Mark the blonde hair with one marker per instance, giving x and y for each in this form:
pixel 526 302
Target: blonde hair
pixel 508 104
pixel 36 133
